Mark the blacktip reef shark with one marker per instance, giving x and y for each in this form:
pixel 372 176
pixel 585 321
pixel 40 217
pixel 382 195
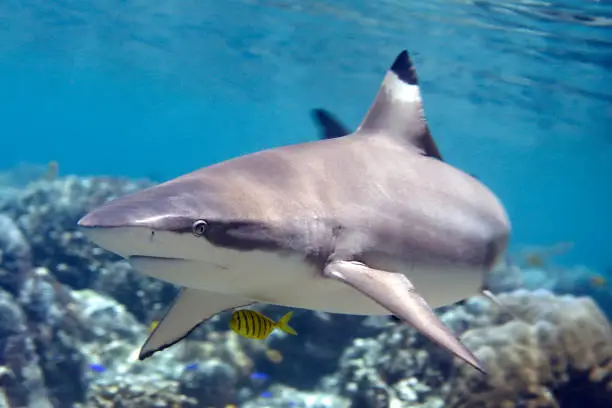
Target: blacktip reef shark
pixel 371 223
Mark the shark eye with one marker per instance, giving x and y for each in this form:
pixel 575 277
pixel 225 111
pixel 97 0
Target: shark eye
pixel 199 228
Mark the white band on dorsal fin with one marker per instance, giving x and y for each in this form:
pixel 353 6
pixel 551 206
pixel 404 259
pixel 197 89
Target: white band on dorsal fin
pixel 400 90
pixel 397 111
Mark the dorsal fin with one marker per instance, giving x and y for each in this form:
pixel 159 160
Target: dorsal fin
pixel 329 126
pixel 397 110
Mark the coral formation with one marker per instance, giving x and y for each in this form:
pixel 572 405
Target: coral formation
pixel 542 350
pixel 135 392
pixel 399 367
pixel 15 255
pixel 20 377
pixel 279 396
pixel 47 212
pixel 577 280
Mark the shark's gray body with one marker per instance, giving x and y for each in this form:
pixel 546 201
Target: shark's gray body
pixel 371 223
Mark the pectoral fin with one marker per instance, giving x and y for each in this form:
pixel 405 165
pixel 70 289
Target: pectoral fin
pixel 397 294
pixel 190 308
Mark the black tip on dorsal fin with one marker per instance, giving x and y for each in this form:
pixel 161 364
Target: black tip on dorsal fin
pixel 403 68
pixel 397 111
pixel 329 126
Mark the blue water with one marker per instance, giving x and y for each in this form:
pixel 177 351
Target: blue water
pixel 518 93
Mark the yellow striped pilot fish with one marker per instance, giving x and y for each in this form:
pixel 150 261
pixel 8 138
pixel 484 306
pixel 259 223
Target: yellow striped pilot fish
pixel 254 325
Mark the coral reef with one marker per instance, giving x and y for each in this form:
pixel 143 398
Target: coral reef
pixel 577 280
pixel 135 392
pixel 399 367
pixel 47 212
pixel 279 396
pixel 20 376
pixel 15 255
pixel 542 350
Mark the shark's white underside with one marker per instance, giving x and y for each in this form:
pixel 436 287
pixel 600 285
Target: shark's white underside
pixel 268 277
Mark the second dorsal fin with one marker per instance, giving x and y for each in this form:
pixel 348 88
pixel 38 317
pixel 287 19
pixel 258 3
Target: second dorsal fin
pixel 330 127
pixel 397 111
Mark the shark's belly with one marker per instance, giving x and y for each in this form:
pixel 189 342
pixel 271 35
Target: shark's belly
pixel 440 286
pixel 262 277
pixel 288 281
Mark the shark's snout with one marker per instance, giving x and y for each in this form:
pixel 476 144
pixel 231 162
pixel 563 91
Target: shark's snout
pixel 111 216
pixel 128 229
pixel 167 207
pixel 128 225
pixel 123 213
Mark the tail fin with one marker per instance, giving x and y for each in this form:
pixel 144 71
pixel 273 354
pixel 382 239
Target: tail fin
pixel 283 324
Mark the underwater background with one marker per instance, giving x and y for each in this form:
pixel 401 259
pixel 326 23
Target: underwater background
pixel 102 98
